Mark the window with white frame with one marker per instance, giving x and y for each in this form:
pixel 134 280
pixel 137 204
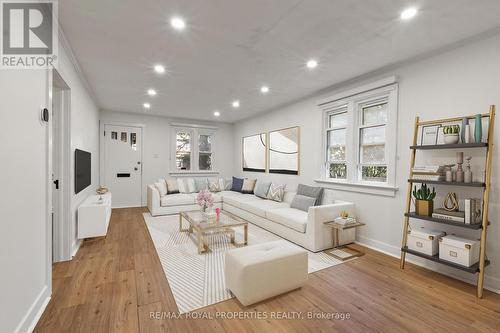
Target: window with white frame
pixel 358 131
pixel 194 149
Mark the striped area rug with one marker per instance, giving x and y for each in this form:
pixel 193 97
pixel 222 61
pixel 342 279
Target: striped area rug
pixel 197 280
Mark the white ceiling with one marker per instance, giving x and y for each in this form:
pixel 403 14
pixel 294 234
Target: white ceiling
pixel 231 47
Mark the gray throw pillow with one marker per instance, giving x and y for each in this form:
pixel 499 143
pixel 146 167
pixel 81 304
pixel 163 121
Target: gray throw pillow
pixel 302 202
pixel 261 189
pixel 311 191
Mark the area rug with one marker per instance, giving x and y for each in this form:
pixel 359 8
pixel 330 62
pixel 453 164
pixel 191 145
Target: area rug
pixel 198 280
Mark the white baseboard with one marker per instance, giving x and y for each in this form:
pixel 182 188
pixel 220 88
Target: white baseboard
pixel 491 283
pixel 35 311
pixel 75 247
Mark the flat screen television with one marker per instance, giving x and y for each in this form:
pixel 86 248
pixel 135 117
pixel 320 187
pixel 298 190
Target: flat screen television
pixel 83 170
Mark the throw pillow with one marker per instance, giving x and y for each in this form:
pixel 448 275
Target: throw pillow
pixel 237 184
pixel 276 192
pixel 261 189
pixel 214 185
pixel 201 184
pixel 182 185
pixel 311 191
pixel 162 188
pixel 228 183
pixel 248 186
pixel 191 187
pixel 172 186
pixel 302 202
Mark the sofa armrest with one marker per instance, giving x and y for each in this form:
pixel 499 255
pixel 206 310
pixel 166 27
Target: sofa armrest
pixel 319 234
pixel 153 200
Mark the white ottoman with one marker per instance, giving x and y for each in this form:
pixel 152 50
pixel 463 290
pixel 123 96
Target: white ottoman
pixel 257 272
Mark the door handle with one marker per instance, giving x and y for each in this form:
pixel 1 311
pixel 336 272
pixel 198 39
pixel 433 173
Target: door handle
pixel 56 183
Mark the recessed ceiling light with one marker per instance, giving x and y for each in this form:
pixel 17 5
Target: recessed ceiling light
pixel 178 23
pixel 146 105
pixel 160 69
pixel 236 104
pixel 151 92
pixel 312 63
pixel 409 13
pixel 216 113
pixel 264 89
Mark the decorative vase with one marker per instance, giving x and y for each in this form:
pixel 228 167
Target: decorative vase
pixel 463 129
pixel 451 139
pixel 424 207
pixel 478 129
pixel 467 133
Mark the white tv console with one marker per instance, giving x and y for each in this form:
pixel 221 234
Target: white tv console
pixel 94 216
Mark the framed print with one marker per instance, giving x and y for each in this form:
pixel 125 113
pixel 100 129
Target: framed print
pixel 254 153
pixel 430 135
pixel 284 151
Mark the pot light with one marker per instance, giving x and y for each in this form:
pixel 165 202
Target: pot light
pixel 160 69
pixel 312 63
pixel 264 89
pixel 236 104
pixel 216 113
pixel 151 92
pixel 146 105
pixel 409 13
pixel 178 23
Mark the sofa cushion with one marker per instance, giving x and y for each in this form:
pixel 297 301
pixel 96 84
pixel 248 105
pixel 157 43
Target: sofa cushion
pixel 248 186
pixel 261 189
pixel 162 188
pixel 302 202
pixel 261 206
pixel 178 199
pixel 215 184
pixel 311 191
pixel 237 184
pixel 238 199
pixel 289 217
pixel 172 186
pixel 191 185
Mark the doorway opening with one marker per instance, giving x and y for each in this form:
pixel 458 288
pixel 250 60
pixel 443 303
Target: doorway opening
pixel 61 167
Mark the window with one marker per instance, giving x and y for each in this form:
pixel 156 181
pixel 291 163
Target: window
pixel 194 149
pixel 357 132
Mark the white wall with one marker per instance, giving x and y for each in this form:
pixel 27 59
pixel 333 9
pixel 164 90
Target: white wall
pixel 458 82
pixel 25 281
pixel 157 144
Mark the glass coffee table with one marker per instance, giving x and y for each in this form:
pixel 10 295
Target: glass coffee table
pixel 204 227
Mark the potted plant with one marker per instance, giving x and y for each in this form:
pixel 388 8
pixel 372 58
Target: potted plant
pixel 424 200
pixel 451 134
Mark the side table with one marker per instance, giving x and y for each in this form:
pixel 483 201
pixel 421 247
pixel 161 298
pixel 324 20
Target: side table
pixel 336 227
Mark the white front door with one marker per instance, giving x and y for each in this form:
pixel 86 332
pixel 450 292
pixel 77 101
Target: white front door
pixel 123 164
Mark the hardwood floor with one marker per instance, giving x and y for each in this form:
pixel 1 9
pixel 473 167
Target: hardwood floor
pixel 116 284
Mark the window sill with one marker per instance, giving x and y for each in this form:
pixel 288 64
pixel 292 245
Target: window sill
pixel 367 188
pixel 183 173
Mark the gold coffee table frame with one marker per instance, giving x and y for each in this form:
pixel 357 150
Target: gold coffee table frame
pixel 204 227
pixel 354 253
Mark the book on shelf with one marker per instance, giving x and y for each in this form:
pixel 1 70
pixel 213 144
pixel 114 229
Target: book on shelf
pixel 429 168
pixel 455 216
pixel 472 210
pixel 429 177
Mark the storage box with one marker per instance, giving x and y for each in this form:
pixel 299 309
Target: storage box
pixel 461 251
pixel 424 240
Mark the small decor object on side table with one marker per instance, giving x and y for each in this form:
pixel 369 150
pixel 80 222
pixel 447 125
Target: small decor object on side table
pixel 451 134
pixel 102 190
pixel 205 200
pixel 424 200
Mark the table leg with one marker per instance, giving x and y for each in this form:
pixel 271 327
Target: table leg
pixel 180 222
pixel 231 233
pixel 200 242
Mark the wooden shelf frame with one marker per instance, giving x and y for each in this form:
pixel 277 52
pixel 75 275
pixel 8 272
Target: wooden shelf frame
pixel 485 186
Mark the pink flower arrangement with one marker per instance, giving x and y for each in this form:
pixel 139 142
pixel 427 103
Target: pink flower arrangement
pixel 205 199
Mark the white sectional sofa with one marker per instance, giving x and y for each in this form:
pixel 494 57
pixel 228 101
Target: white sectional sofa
pixel 306 229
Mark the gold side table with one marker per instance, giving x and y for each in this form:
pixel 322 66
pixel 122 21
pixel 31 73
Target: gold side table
pixel 336 227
